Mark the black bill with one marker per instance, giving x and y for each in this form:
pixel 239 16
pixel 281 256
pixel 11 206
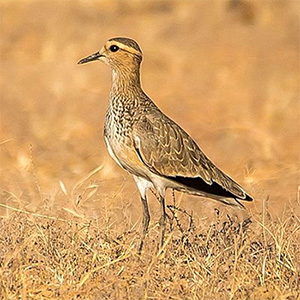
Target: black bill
pixel 89 58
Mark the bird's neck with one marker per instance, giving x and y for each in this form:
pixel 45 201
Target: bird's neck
pixel 125 81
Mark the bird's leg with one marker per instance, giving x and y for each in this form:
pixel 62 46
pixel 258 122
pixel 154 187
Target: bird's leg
pixel 162 221
pixel 146 220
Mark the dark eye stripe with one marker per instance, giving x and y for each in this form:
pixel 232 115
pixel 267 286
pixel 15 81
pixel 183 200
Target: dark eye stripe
pixel 114 48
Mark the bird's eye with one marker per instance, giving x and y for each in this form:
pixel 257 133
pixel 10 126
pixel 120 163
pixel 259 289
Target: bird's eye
pixel 114 48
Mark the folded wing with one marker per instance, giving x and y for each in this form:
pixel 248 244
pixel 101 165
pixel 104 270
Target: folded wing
pixel 167 150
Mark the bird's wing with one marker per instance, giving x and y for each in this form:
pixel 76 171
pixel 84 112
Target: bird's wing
pixel 167 150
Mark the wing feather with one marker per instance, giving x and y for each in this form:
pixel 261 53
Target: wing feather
pixel 167 150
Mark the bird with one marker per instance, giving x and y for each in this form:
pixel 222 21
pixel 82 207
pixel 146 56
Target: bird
pixel 151 146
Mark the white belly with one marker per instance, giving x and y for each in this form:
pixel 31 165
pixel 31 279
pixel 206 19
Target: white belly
pixel 127 159
pixel 111 152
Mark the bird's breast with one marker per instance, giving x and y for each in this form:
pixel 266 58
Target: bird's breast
pixel 119 121
pixel 118 139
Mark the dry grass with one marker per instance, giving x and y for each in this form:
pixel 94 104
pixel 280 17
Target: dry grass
pixel 88 259
pixel 228 73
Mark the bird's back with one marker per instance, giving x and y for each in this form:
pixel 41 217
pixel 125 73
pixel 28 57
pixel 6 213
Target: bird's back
pixel 168 151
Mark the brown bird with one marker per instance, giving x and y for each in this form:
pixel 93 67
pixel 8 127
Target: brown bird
pixel 149 145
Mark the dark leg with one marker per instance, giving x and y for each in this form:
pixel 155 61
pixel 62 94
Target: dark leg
pixel 162 221
pixel 146 220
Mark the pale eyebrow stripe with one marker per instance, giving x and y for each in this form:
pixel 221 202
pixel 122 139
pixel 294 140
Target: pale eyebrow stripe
pixel 126 48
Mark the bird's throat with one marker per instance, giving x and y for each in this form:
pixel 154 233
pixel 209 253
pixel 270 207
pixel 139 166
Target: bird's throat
pixel 124 80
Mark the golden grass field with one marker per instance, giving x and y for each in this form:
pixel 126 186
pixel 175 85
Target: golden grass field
pixel 227 72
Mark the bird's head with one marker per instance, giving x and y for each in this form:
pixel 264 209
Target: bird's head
pixel 120 53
